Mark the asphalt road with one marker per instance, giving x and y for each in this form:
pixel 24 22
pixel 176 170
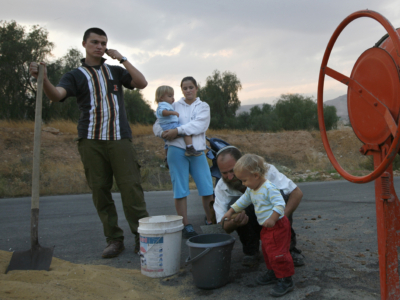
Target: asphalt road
pixel 335 224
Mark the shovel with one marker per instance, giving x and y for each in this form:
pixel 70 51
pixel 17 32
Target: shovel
pixel 37 258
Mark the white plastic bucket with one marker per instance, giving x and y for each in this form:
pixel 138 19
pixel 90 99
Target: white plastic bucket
pixel 160 245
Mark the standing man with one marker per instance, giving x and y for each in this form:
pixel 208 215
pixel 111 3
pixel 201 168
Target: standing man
pixel 105 137
pixel 229 189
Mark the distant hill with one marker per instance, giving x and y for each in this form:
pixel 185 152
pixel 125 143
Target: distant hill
pixel 341 107
pixel 247 108
pixel 340 103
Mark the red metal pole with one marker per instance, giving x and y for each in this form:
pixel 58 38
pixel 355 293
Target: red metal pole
pixel 387 221
pixel 386 201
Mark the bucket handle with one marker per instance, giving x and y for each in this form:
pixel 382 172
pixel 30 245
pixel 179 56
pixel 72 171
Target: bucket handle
pixel 189 260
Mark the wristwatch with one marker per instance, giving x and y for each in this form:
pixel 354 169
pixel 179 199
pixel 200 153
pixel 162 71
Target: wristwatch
pixel 123 60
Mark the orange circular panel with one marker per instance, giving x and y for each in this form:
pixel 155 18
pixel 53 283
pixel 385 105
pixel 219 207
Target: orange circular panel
pixel 386 43
pixel 376 71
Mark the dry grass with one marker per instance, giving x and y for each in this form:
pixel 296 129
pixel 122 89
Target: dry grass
pixel 212 132
pixel 65 126
pixel 68 178
pixel 17 124
pixel 345 146
pixel 62 171
pixel 140 130
pixel 69 127
pixel 56 178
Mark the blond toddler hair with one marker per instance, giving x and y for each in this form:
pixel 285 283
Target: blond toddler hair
pixel 252 163
pixel 161 91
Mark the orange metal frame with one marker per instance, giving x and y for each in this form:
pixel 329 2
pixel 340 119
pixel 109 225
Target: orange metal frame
pixel 385 109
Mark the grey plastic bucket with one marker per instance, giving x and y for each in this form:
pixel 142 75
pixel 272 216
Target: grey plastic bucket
pixel 210 256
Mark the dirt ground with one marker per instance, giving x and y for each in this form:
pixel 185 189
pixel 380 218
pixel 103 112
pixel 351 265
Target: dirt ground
pixel 66 280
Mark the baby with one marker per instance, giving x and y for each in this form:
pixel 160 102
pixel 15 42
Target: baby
pixel 168 117
pixel 269 207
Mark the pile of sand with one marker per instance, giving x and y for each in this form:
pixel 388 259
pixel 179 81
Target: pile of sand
pixel 66 280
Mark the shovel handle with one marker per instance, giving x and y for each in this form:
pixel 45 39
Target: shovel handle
pixel 36 140
pixel 36 161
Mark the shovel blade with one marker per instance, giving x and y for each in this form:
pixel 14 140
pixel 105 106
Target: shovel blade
pixel 37 258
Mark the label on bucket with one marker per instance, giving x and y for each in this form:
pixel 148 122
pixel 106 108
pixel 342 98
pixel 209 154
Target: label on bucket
pixel 151 249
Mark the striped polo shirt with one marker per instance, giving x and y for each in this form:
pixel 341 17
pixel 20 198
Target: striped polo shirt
pixel 99 94
pixel 266 200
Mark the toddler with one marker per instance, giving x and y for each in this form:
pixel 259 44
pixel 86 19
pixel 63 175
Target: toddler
pixel 168 117
pixel 269 207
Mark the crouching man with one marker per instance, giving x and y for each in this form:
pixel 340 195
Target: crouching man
pixel 229 189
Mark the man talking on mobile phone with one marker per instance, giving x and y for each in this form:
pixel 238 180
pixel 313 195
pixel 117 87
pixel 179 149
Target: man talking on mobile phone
pixel 104 134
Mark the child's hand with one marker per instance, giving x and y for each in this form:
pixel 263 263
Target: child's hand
pixel 176 113
pixel 269 223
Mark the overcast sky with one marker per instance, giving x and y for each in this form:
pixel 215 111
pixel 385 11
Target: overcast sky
pixel 274 47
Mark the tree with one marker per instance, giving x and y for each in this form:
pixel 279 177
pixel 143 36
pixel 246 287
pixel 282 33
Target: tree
pixel 265 119
pixel 297 112
pixel 267 108
pixel 330 117
pixel 138 110
pixel 259 119
pixel 243 121
pixel 221 93
pixel 68 109
pixel 290 112
pixel 18 47
pixel 255 111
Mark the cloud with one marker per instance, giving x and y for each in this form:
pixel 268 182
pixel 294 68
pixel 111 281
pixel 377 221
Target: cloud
pixel 145 56
pixel 274 47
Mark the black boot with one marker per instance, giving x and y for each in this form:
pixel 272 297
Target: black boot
pixel 284 285
pixel 267 278
pixel 298 258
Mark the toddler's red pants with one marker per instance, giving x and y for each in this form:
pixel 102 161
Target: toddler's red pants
pixel 275 247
